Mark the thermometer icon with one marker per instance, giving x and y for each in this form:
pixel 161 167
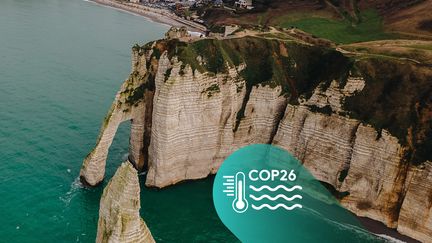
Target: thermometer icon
pixel 240 204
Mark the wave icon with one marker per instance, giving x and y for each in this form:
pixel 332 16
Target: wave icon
pixel 280 205
pixel 275 197
pixel 276 188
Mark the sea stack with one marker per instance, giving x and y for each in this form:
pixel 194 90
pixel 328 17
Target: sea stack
pixel 119 218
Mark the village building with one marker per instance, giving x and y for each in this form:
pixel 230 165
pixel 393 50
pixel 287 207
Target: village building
pixel 247 4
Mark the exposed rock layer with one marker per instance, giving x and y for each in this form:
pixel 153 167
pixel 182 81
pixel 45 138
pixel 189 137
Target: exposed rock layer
pixel 119 218
pixel 197 109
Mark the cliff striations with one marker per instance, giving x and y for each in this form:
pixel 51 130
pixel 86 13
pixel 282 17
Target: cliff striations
pixel 361 125
pixel 119 219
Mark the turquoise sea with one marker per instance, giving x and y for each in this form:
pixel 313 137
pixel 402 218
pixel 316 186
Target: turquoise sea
pixel 61 63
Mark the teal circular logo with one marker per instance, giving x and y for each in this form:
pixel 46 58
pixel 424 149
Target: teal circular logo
pixel 263 194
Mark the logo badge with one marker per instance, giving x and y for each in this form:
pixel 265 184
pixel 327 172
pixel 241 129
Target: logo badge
pixel 263 194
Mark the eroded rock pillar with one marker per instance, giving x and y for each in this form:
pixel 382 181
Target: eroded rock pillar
pixel 119 218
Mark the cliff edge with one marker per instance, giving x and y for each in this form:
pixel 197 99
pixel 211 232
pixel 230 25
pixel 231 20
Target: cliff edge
pixel 361 124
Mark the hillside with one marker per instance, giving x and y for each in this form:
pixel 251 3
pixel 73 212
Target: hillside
pixel 342 21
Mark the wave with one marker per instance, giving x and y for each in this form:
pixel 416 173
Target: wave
pixel 280 205
pixel 276 197
pixel 74 187
pixel 389 238
pixel 276 188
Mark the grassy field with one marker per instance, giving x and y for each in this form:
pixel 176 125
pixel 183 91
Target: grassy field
pixel 340 31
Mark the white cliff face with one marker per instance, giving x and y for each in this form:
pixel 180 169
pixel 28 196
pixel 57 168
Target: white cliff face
pixel 376 176
pixel 350 156
pixel 119 218
pixel 322 142
pixel 192 121
pixel 197 116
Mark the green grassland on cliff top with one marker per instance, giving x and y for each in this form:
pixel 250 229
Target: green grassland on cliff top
pixel 344 31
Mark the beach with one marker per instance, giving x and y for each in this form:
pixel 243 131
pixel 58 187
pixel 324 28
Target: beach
pixel 163 16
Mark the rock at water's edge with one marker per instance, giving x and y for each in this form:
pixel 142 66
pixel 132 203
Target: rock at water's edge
pixel 119 218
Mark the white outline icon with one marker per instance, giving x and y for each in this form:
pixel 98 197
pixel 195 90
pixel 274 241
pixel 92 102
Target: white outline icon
pixel 240 204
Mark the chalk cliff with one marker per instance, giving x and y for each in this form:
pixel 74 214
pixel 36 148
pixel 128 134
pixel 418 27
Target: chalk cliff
pixel 362 126
pixel 119 218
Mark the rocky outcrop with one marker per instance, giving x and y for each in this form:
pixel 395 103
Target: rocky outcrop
pixel 203 100
pixel 119 218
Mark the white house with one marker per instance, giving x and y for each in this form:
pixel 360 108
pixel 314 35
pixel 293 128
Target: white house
pixel 244 4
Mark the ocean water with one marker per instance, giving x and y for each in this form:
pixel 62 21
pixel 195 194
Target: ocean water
pixel 61 63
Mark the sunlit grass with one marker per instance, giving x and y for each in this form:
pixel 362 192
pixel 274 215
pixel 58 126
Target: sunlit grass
pixel 342 31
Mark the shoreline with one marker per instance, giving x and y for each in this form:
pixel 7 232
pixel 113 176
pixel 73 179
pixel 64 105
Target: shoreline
pixel 380 229
pixel 161 16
